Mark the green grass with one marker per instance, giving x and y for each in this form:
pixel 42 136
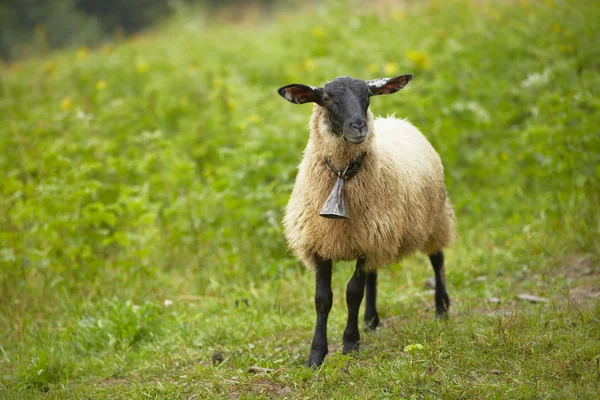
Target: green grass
pixel 143 186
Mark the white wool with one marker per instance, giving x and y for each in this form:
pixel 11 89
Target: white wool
pixel 397 201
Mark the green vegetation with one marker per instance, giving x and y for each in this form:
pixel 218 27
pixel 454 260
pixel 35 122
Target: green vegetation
pixel 143 188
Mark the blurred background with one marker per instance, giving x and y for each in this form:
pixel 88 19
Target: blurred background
pixel 147 160
pixel 29 27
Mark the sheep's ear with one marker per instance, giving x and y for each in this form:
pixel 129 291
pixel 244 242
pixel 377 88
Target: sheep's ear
pixel 388 85
pixel 300 94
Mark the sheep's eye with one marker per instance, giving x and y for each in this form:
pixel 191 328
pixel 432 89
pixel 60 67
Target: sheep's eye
pixel 328 100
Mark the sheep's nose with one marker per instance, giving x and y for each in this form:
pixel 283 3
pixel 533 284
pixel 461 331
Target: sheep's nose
pixel 358 125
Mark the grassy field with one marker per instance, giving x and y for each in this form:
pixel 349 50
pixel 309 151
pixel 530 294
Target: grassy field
pixel 143 185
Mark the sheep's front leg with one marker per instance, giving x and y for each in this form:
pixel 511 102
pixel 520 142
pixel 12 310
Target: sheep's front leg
pixel 371 315
pixel 442 301
pixel 323 302
pixel 354 295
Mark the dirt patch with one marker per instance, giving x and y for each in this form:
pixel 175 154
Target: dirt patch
pixel 583 275
pixel 574 278
pixel 576 266
pixel 584 293
pixel 261 386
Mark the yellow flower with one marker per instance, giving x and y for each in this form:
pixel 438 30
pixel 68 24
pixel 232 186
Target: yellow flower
pixel 309 64
pixel 101 84
pixel 434 5
pixel 419 59
pixel 390 68
pixel 373 68
pixel 254 118
pixel 81 53
pixel 504 156
pixel 66 103
pixel 398 16
pixel 141 67
pixel 319 32
pixel 217 82
pixel 50 68
pixel 242 125
pixel 556 28
pixel 231 104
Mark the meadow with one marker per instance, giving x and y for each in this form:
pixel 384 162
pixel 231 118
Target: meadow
pixel 144 181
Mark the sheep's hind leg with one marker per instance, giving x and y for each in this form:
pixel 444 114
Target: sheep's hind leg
pixel 442 301
pixel 323 302
pixel 371 315
pixel 354 295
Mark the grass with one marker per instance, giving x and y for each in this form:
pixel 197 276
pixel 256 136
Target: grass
pixel 143 185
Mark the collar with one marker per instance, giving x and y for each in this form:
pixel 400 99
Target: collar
pixel 350 170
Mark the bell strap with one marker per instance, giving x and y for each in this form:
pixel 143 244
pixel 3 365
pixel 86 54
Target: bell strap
pixel 350 170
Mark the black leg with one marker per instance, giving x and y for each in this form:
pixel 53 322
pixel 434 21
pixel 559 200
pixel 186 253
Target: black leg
pixel 354 295
pixel 442 301
pixel 371 316
pixel 323 302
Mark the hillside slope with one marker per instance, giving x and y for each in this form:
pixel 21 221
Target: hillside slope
pixel 144 184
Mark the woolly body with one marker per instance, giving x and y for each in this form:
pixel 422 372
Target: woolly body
pixel 397 201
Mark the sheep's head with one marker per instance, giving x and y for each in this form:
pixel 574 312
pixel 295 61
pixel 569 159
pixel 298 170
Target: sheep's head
pixel 346 100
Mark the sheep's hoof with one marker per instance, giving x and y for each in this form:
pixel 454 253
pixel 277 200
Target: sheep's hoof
pixel 315 358
pixel 372 324
pixel 351 347
pixel 442 305
pixel 443 315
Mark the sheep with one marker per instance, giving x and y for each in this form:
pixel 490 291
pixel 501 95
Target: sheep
pixel 396 199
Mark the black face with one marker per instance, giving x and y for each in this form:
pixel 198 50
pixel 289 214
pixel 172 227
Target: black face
pixel 346 101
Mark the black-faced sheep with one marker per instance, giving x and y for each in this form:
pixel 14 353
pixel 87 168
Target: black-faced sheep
pixel 396 199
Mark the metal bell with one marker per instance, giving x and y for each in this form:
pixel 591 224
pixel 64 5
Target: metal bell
pixel 335 206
